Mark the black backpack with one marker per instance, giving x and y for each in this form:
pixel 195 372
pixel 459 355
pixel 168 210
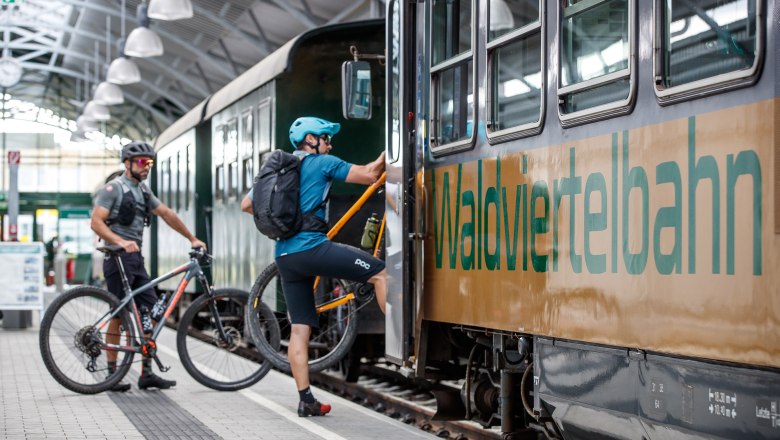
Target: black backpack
pixel 276 199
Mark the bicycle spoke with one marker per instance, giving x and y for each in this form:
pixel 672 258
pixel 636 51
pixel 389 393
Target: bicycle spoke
pixel 74 348
pixel 337 324
pixel 223 361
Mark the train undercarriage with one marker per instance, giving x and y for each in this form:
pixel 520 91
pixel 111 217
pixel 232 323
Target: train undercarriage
pixel 572 390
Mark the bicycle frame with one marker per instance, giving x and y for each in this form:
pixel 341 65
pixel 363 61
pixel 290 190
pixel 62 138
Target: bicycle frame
pixel 370 191
pixel 191 270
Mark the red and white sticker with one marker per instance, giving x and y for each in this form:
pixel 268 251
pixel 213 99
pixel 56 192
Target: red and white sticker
pixel 14 157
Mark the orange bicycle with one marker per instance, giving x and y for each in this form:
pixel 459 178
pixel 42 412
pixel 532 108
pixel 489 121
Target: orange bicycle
pixel 336 301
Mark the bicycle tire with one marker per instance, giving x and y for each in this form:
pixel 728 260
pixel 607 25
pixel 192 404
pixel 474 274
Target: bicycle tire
pixel 207 358
pixel 338 326
pixel 68 336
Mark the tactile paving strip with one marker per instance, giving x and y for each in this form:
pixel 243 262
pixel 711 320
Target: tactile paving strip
pixel 157 416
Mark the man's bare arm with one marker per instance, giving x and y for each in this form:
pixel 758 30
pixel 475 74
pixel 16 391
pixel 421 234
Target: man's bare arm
pixel 98 224
pixel 367 174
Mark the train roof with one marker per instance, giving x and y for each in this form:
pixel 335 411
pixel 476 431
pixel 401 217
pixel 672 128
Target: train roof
pixel 264 71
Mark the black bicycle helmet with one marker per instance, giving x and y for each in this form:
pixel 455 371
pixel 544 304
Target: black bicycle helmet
pixel 137 148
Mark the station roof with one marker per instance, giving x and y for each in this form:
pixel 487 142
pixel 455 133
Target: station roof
pixel 65 47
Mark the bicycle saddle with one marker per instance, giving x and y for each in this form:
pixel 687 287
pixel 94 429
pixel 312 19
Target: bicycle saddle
pixel 111 249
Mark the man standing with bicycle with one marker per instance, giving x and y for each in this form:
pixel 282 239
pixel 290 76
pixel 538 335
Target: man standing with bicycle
pixel 122 208
pixel 308 254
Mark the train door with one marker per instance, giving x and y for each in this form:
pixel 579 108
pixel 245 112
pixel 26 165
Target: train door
pixel 402 239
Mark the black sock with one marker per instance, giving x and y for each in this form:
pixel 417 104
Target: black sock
pixel 146 367
pixel 111 367
pixel 306 395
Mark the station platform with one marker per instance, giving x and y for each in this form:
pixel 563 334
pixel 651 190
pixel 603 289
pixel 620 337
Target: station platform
pixel 34 406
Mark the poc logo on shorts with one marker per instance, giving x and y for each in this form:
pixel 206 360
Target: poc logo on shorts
pixel 362 264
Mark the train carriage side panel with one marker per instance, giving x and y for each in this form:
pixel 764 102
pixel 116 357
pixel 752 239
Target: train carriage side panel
pixel 652 230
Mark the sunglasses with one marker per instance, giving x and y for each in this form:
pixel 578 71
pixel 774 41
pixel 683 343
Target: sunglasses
pixel 326 138
pixel 144 162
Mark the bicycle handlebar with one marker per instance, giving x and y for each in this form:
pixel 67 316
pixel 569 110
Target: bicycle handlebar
pixel 201 255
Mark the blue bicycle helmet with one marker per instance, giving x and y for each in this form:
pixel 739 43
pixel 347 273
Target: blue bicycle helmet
pixel 309 124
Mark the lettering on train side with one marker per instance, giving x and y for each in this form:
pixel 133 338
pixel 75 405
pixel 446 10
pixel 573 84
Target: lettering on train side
pixel 507 221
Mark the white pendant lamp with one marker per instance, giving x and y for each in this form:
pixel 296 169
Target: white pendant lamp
pixel 123 71
pixel 170 9
pixel 142 41
pixel 107 93
pixel 84 124
pixel 97 112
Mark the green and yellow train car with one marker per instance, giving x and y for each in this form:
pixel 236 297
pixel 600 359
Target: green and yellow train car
pixel 591 189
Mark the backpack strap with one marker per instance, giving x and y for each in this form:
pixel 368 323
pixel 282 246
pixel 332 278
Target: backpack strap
pixel 147 203
pixel 311 222
pixel 125 189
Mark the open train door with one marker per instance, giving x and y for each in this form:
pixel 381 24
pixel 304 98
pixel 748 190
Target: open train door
pixel 403 239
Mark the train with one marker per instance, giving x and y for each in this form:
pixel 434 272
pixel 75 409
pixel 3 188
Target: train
pixel 581 204
pixel 583 213
pixel 207 159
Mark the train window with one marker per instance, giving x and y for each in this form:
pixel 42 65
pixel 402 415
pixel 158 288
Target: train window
pixel 596 77
pixel 190 176
pixel 515 59
pixel 173 183
pixel 509 15
pixel 705 46
pixel 452 76
pixel 183 179
pixel 394 117
pixel 247 148
pixel 218 156
pixel 219 178
pixel 248 173
pixel 264 128
pixel 233 179
pixel 165 181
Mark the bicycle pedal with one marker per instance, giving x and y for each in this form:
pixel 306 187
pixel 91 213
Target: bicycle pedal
pixel 160 365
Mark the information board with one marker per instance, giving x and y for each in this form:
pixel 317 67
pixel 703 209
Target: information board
pixel 21 275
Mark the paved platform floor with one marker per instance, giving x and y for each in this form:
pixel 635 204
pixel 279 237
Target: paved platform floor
pixel 34 406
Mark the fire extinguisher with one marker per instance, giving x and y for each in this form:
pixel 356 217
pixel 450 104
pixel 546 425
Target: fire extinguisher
pixel 70 270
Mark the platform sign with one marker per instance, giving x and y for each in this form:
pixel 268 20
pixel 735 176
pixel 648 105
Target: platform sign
pixel 21 275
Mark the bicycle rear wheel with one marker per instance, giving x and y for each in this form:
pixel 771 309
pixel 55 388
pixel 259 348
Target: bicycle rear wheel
pixel 224 365
pixel 328 345
pixel 72 346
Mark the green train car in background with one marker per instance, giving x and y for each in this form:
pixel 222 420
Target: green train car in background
pixel 207 160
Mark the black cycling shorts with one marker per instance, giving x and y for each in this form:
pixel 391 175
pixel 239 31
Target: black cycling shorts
pixel 332 260
pixel 136 275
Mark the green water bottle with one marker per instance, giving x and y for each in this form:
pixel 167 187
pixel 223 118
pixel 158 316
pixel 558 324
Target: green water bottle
pixel 369 232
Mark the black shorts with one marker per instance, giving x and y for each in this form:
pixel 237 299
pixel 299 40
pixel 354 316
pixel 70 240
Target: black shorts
pixel 332 260
pixel 136 276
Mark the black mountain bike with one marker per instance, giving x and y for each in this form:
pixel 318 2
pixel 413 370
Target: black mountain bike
pixel 85 323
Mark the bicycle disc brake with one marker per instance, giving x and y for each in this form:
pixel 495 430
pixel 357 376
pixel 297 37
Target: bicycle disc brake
pixel 232 342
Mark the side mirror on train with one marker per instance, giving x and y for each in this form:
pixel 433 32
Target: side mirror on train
pixel 356 90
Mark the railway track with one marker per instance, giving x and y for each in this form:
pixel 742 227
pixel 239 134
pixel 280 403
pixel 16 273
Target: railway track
pixel 390 393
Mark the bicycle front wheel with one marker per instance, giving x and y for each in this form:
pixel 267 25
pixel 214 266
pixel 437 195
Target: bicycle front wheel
pixel 221 359
pixel 328 344
pixel 73 347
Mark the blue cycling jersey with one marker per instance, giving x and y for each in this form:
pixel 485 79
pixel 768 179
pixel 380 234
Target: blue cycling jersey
pixel 317 173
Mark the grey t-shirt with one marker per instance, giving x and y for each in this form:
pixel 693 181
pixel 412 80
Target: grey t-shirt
pixel 110 197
